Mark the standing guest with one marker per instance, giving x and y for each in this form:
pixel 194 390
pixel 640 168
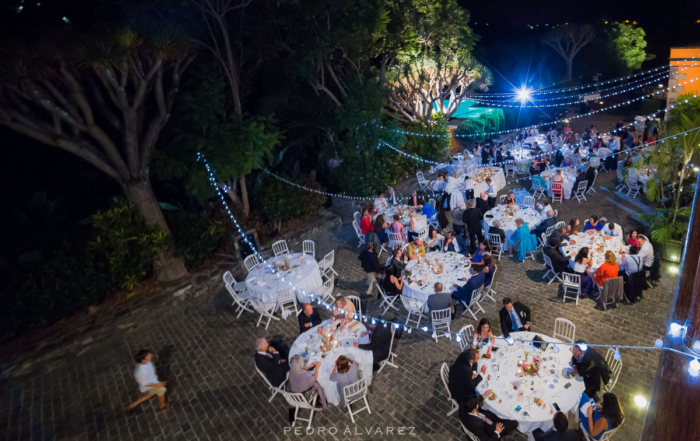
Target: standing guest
pixel 514 317
pixel 382 239
pixel 370 264
pixel 415 249
pixel 472 221
pixel 438 186
pixel 560 262
pixel 380 202
pixel 611 229
pixel 522 241
pixel 468 187
pixel 308 318
pixel 464 378
pixel 490 193
pixel 483 337
pixel 590 365
pixel 581 265
pixel 601 418
pixel 397 227
pixel 457 215
pixel 633 275
pixel 302 379
pixel 270 363
pixel 632 238
pixel 379 342
pixel 440 300
pixel 496 229
pixel 482 203
pixel 434 241
pixel 393 283
pixel 485 155
pixel 464 293
pixel 478 257
pixel 560 432
pixel 646 252
pixel 608 270
pixel 145 375
pixel 485 425
pixel 450 169
pixel 593 224
pixel 414 200
pixel 344 373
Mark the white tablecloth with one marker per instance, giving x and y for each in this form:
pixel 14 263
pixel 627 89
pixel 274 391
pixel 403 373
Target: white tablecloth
pixel 304 274
pixel 593 242
pixel 308 346
pixel 569 179
pixel 548 386
pixel 498 180
pixel 642 176
pixel 529 215
pixel 421 272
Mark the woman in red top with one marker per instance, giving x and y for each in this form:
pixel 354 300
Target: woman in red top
pixel 608 270
pixel 366 222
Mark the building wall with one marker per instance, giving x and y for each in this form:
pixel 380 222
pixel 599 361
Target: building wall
pixel 683 70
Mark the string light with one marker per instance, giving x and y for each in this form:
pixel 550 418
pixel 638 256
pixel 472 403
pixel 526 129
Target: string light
pixel 694 368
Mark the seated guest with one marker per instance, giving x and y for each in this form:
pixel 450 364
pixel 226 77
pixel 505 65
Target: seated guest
pixel 550 221
pixel 434 241
pixel 593 224
pixel 439 300
pixel 302 379
pixel 438 186
pixel 490 193
pixel 601 418
pixel 308 318
pixel 343 304
pixel 380 202
pixel 510 200
pixel 429 210
pixel 611 229
pixel 580 177
pixel 394 199
pixel 573 226
pixel 560 262
pixel 482 203
pixel 567 162
pixel 646 252
pixel 632 238
pixel 514 317
pixel 366 224
pixel 561 233
pixel 590 176
pixel 478 258
pixel 415 249
pixel 464 293
pixel 397 227
pixel 496 229
pixel 457 222
pixel 344 373
pixel 483 424
pixel 581 265
pixel 380 231
pixel 608 270
pixel 560 432
pixel 417 224
pixel 268 360
pixel 379 342
pixel 392 283
pixel 398 261
pixel 455 243
pixel 633 274
pixel 464 377
pixel 483 337
pixel 488 268
pixel 590 365
pixel 522 241
pixel 414 200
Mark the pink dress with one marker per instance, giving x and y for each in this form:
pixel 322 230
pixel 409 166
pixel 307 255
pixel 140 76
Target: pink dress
pixel 397 227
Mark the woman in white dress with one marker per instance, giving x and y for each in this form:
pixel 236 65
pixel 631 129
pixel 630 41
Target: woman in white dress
pixel 454 188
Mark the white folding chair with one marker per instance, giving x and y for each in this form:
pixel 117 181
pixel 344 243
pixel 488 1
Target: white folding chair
pixel 529 201
pixel 357 216
pixel 633 187
pixel 581 191
pixel 356 302
pixel 621 186
pixel 465 337
pixel 615 367
pixel 358 231
pixel 309 247
pixel 470 435
pixel 606 436
pixel 496 245
pixel 280 247
pixel 413 307
pixel 550 269
pixel 422 182
pixel 564 330
pixel 423 234
pixel 538 190
pixel 441 320
pixel 487 291
pixel 433 221
pixel 390 359
pixel 559 225
pixel 595 177
pixel 476 298
pixel 298 401
pixel 275 390
pixel 542 241
pixel 572 282
pixel 445 376
pixel 355 393
pixel 548 232
pixel 395 239
pixel 241 300
pixel 386 300
pixel 432 203
pixel 328 287
pixel 326 265
pixel 557 192
pixel 511 169
pixel 556 213
pixel 287 303
pixel 251 262
pixel 239 287
pixel 265 311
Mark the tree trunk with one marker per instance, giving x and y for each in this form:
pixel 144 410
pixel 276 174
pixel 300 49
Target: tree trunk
pixel 244 197
pixel 233 193
pixel 168 267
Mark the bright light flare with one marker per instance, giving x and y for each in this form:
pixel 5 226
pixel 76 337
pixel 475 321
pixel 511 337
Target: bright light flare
pixel 640 401
pixel 524 94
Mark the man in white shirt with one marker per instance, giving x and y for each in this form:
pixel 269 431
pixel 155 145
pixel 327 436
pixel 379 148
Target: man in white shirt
pixel 615 144
pixel 145 376
pixel 438 186
pixel 469 188
pixel 491 193
pixel 646 252
pixel 393 198
pixel 380 201
pixel 611 229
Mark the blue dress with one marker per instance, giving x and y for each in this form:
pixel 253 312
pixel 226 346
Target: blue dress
pixel 428 210
pixel 596 416
pixel 527 241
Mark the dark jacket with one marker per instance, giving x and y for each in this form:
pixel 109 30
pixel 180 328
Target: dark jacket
pixel 594 370
pixel 477 426
pixel 439 301
pixel 461 384
pixel 590 175
pixel 419 201
pixel 542 226
pixel 464 293
pixel 483 206
pixel 553 435
pixel 499 232
pixel 274 370
pixel 397 266
pixel 369 261
pixel 507 322
pixel 560 262
pixel 314 319
pixel 472 219
pixel 379 343
pixel 580 178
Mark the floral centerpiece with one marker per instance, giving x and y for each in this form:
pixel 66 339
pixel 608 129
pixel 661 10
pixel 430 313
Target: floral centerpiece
pixel 328 341
pixel 510 211
pixel 284 266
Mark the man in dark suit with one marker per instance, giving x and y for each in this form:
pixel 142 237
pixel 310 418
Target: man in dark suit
pixel 482 203
pixel 560 262
pixel 464 376
pixel 590 176
pixel 414 200
pixel 464 293
pixel 379 343
pixel 455 243
pixel 472 222
pixel 591 366
pixel 560 432
pixel 308 318
pixel 270 362
pixel 514 317
pixel 398 262
pixel 483 424
pixel 580 177
pixel 542 226
pixel 497 230
pixel 485 155
pixel 439 300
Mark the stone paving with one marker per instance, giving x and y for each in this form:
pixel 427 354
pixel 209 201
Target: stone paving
pixel 206 356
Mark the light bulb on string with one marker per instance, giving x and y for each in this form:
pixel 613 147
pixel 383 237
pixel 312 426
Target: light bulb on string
pixel 617 354
pixel 694 367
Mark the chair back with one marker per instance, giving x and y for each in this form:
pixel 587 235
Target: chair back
pixel 251 262
pixel 357 216
pixel 572 280
pixel 420 177
pixel 529 201
pixel 355 301
pixel 493 277
pixel 328 287
pixel 395 239
pixel 466 334
pixel 559 225
pixel 267 382
pixel 329 259
pixel 581 188
pixel 445 376
pixel 615 367
pixel 412 304
pixel 441 316
pixel 280 247
pixel 548 262
pixel 495 240
pixel 543 240
pixel 432 203
pixel 595 176
pixel 358 230
pixel 470 435
pixel 550 230
pixel 259 306
pixel 565 330
pixel 557 187
pixel 309 247
pixel 355 390
pixel 423 233
pixel 297 400
pixel 229 279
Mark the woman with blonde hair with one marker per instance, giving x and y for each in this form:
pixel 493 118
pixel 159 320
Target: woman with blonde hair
pixel 608 270
pixel 345 372
pixel 346 305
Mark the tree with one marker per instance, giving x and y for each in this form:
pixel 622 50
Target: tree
pixel 627 42
pixel 105 101
pixel 567 41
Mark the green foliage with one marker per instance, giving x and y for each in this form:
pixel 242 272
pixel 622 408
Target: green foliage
pixel 198 235
pixel 280 202
pixel 627 42
pixel 662 226
pixel 486 122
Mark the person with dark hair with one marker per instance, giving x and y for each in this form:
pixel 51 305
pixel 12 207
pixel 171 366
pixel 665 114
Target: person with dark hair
pixel 612 229
pixel 573 226
pixel 414 200
pixel 483 336
pixel 483 424
pixel 370 264
pixel 560 262
pixel 398 261
pixel 598 419
pixel 514 317
pixel 581 264
pixel 472 221
pixel 382 238
pixel 308 318
pixel 392 283
pixel 478 258
pixel 464 376
pixel 380 201
pixel 590 176
pixel 593 224
pixel 482 203
pixel 379 342
pixel 632 269
pixel 589 364
pixel 488 268
pixel 560 432
pixel 464 293
pixel 145 375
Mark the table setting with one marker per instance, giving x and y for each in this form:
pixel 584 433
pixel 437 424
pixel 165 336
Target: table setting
pixel 527 381
pixel 507 216
pixel 569 174
pixel 597 244
pixel 498 180
pixel 328 341
pixel 422 274
pixel 299 269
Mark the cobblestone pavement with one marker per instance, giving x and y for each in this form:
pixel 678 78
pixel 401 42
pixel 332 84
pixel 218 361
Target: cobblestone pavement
pixel 206 356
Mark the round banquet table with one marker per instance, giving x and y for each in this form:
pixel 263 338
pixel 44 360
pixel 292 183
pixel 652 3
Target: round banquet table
pixel 643 176
pixel 594 242
pixel 419 285
pixel 547 386
pixel 531 217
pixel 391 210
pixel 498 180
pixel 569 179
pixel 264 285
pixel 307 345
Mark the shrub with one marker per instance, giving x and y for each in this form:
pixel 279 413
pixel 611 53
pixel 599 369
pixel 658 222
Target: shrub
pixel 280 202
pixel 198 235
